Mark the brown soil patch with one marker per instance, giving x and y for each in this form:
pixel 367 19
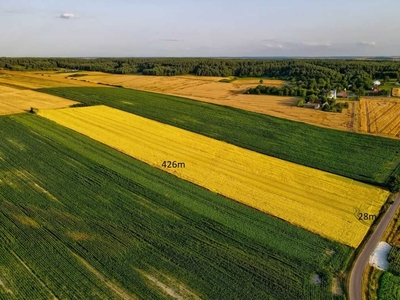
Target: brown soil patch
pixel 336 288
pixel 25 220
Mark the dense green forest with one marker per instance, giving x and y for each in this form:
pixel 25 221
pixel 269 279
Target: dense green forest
pixel 323 71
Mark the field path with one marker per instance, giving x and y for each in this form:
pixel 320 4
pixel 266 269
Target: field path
pixel 33 274
pixel 112 286
pixel 355 283
pixel 352 117
pixel 368 117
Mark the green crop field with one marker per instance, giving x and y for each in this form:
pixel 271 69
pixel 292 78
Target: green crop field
pixel 79 220
pixel 389 287
pixel 362 157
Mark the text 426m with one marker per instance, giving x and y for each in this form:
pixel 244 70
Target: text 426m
pixel 173 164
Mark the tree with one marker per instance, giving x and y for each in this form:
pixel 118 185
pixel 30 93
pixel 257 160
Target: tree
pixel 261 81
pixel 387 79
pixel 300 103
pixel 394 183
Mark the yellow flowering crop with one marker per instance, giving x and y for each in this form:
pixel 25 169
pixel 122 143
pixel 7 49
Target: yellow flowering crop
pixel 321 202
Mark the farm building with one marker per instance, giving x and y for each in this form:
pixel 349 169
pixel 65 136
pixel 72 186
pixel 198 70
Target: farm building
pixel 312 105
pixel 342 94
pixel 375 89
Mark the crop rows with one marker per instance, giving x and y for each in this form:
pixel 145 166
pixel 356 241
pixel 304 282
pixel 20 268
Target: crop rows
pixel 85 218
pixel 362 157
pixel 268 184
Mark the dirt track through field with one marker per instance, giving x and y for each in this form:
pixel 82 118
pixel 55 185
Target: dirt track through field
pixel 112 286
pixel 29 270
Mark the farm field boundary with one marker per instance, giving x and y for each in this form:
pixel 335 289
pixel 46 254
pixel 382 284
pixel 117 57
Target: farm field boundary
pixel 361 157
pixel 85 213
pixel 268 184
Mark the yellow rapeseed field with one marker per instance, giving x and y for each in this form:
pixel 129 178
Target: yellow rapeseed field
pixel 321 202
pixel 14 100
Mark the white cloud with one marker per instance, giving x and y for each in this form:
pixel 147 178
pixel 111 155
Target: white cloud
pixel 171 40
pixel 274 46
pixel 68 16
pixel 363 43
pixel 317 44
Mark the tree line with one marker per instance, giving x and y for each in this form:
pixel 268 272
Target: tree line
pixel 341 72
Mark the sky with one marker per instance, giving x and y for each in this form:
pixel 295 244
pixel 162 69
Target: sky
pixel 189 28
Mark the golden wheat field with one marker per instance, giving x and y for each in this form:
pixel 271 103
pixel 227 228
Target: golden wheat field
pixel 208 89
pixel 13 100
pixel 36 80
pixel 318 201
pixel 396 92
pixel 380 116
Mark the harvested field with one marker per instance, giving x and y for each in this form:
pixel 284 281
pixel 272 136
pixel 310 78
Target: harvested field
pixel 380 116
pixel 396 92
pixel 35 80
pixel 268 184
pixel 230 94
pixel 14 100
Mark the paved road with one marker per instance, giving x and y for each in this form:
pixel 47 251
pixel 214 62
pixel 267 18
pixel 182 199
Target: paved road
pixel 355 286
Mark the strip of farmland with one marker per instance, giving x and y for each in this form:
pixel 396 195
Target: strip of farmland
pixel 268 184
pixel 14 100
pixel 91 222
pixel 362 157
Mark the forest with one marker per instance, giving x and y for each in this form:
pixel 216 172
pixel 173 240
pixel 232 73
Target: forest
pixel 323 71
